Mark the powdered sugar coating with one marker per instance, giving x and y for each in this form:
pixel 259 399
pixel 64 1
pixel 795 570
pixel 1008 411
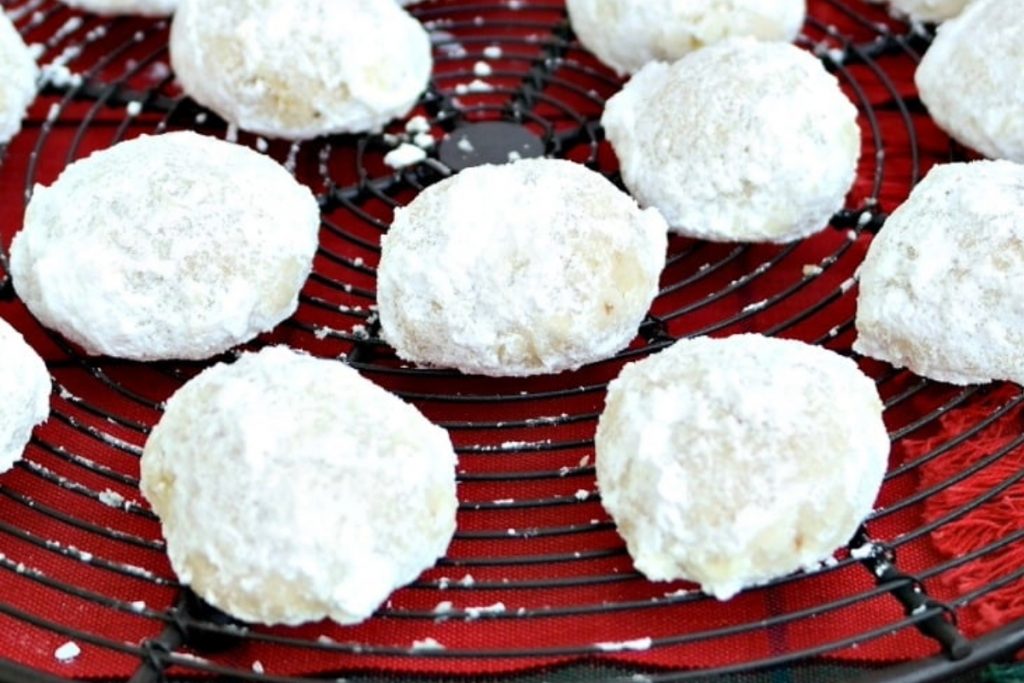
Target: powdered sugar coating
pixel 25 400
pixel 928 10
pixel 528 268
pixel 18 84
pixel 291 489
pixel 301 68
pixel 740 141
pixel 940 286
pixel 626 35
pixel 171 246
pixel 149 8
pixel 972 78
pixel 731 462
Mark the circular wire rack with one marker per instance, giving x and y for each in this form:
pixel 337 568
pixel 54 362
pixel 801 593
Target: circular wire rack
pixel 536 581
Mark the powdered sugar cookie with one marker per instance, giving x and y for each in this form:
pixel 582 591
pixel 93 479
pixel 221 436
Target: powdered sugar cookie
pixel 291 489
pixel 926 10
pixel 730 462
pixel 528 268
pixel 25 401
pixel 940 286
pixel 740 141
pixel 301 68
pixel 972 78
pixel 18 85
pixel 171 246
pixel 625 34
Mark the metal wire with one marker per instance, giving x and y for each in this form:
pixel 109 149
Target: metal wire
pixel 531 436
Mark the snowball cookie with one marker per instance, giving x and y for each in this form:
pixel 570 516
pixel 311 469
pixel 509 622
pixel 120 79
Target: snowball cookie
pixel 301 68
pixel 291 489
pixel 740 141
pixel 529 268
pixel 940 286
pixel 149 8
pixel 731 462
pixel 626 34
pixel 25 401
pixel 928 10
pixel 18 81
pixel 173 246
pixel 972 78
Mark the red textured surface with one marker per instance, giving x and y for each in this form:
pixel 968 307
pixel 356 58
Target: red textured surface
pixel 581 590
pixel 982 531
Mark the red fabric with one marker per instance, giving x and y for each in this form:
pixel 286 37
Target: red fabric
pixel 986 525
pixel 557 465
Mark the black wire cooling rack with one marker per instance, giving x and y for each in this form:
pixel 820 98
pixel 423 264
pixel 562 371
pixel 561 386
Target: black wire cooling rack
pixel 76 546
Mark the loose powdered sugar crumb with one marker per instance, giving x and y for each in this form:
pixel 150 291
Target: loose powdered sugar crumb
pixel 417 124
pixel 475 612
pixel 404 155
pixel 475 86
pixel 426 644
pixel 67 652
pixel 111 498
pixel 862 552
pixel 638 645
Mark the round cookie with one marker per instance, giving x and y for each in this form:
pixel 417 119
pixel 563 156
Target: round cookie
pixel 175 246
pixel 740 141
pixel 149 8
pixel 528 268
pixel 626 35
pixel 940 286
pixel 972 78
pixel 18 85
pixel 290 489
pixel 731 462
pixel 25 401
pixel 928 10
pixel 301 68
